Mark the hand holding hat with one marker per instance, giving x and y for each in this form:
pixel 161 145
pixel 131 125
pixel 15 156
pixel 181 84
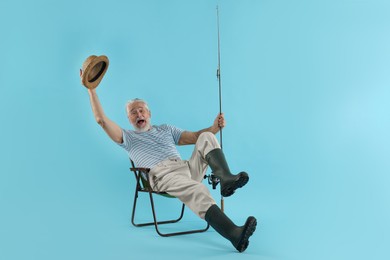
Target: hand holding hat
pixel 93 70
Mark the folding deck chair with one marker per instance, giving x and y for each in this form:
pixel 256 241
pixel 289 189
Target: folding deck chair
pixel 143 185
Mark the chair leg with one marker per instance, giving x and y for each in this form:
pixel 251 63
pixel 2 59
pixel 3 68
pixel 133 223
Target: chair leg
pixel 156 223
pixel 153 212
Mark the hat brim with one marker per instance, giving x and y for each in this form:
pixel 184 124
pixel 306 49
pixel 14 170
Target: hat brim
pixel 94 69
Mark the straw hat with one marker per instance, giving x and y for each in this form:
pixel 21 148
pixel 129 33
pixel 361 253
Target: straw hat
pixel 93 70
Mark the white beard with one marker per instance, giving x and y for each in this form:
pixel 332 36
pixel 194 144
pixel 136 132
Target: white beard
pixel 146 128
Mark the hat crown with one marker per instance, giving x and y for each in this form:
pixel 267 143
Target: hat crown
pixel 88 61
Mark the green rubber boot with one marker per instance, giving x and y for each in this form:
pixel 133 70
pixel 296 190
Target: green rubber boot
pixel 229 182
pixel 238 236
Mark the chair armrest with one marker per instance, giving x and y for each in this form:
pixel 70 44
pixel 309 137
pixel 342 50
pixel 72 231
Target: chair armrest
pixel 142 177
pixel 145 170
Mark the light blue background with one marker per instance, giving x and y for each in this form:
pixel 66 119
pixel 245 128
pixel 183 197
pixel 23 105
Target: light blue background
pixel 306 93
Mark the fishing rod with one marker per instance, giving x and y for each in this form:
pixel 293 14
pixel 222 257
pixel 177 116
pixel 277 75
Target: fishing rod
pixel 219 76
pixel 220 94
pixel 212 179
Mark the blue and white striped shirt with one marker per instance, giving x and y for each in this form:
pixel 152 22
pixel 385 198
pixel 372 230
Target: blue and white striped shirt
pixel 147 149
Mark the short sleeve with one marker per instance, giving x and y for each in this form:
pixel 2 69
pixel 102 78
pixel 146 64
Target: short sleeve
pixel 176 133
pixel 126 140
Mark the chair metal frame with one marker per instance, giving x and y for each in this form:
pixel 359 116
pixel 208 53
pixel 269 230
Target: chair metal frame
pixel 143 185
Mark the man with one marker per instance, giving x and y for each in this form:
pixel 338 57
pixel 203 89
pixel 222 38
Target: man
pixel 154 147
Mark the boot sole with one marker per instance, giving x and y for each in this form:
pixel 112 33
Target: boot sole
pixel 231 188
pixel 249 229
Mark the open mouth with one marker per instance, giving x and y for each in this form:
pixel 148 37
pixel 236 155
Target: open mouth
pixel 140 122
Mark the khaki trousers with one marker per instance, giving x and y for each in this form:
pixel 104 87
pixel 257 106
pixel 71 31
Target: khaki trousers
pixel 182 179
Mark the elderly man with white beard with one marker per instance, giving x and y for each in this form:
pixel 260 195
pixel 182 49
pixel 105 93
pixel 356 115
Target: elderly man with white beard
pixel 154 147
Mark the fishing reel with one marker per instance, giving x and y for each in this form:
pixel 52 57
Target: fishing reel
pixel 212 180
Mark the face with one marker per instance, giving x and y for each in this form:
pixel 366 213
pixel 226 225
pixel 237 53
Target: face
pixel 139 116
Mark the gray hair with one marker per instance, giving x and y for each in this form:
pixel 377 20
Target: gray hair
pixel 130 102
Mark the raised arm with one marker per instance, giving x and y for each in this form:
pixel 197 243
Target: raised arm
pixel 188 137
pixel 110 127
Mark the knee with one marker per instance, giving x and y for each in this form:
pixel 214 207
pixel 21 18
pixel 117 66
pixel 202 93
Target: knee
pixel 205 136
pixel 207 142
